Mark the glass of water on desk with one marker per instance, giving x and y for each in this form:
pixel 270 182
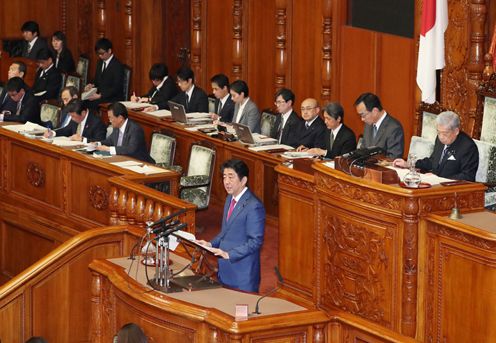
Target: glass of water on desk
pixel 4 114
pixel 412 178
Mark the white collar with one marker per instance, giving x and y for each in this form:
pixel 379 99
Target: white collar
pixel 237 197
pixel 336 130
pixel 161 83
pixel 381 119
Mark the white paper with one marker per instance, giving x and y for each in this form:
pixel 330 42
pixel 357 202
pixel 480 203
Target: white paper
pixel 65 141
pixel 160 114
pixel 132 105
pixel 197 127
pixel 297 154
pixel 88 93
pixel 429 178
pixel 127 163
pixel 198 115
pixel 40 93
pixel 271 147
pixel 27 127
pixel 146 169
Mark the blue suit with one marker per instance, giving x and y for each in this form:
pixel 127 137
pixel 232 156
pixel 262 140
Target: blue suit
pixel 241 237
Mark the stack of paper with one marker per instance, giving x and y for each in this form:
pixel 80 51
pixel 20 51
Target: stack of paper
pixel 86 95
pixel 66 141
pixel 132 105
pixel 427 178
pixel 160 114
pixel 26 128
pixel 271 147
pixel 146 169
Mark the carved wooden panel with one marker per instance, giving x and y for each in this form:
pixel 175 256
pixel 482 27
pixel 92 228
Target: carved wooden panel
pixel 283 38
pixel 358 265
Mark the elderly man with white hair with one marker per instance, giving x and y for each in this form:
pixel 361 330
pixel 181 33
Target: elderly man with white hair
pixel 455 154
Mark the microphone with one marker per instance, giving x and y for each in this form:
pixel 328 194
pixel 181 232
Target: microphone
pixel 281 282
pixel 173 229
pixel 164 227
pixel 165 219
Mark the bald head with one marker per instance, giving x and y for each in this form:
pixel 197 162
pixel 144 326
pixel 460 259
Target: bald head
pixel 310 109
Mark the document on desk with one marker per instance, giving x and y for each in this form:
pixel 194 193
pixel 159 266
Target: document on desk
pixel 128 163
pixel 197 115
pixel 271 147
pixel 133 105
pixel 198 127
pixel 160 114
pixel 146 169
pixel 429 178
pixel 28 127
pixel 66 141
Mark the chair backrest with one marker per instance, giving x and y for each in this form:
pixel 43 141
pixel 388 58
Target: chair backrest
pixel 62 83
pixel 163 148
pixel 1 89
pixel 126 83
pixel 201 160
pixel 267 124
pixel 211 104
pixel 50 113
pixel 486 172
pixel 82 69
pixel 73 80
pixel 421 147
pixel 425 120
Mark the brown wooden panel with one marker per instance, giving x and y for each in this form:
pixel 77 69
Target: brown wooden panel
pixel 89 193
pixel 21 247
pixel 11 317
pixel 36 174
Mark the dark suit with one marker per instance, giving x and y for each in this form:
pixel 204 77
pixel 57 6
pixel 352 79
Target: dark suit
pixel 51 81
pixel 197 103
pixel 29 111
pixel 227 111
pixel 66 62
pixel 40 44
pixel 390 137
pixel 290 130
pixel 163 95
pixel 344 142
pixel 314 136
pixel 94 129
pixel 241 237
pixel 133 142
pixel 460 162
pixel 109 82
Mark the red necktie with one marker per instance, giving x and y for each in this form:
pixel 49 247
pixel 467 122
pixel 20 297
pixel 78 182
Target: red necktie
pixel 231 208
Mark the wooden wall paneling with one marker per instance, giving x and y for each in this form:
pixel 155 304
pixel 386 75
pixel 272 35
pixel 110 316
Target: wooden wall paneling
pixel 238 44
pixel 198 40
pixel 327 41
pixel 464 49
pixel 219 38
pixel 177 33
pixel 283 40
pixel 11 316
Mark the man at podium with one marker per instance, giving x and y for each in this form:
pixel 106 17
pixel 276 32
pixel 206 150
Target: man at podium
pixel 243 226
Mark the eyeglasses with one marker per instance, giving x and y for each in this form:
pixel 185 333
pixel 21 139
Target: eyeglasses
pixel 279 102
pixel 308 108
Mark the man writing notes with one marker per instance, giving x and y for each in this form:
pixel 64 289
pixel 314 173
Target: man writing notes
pixel 339 138
pixel 455 154
pixel 242 234
pixel 21 103
pixel 380 129
pixel 312 130
pixel 192 97
pixel 287 123
pixel 127 137
pixel 85 126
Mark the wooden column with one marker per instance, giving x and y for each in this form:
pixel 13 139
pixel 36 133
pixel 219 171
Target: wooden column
pixel 237 58
pixel 281 66
pixel 196 39
pixel 326 50
pixel 128 35
pixel 100 19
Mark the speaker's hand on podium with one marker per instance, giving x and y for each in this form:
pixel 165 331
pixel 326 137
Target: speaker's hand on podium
pixel 220 252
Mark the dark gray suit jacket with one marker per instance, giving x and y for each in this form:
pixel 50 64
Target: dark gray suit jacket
pixel 250 116
pixel 390 137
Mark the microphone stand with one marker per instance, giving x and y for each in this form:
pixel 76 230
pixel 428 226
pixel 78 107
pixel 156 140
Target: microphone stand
pixel 161 281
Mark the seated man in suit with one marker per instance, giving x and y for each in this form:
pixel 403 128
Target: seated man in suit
pixel 312 131
pixel 164 88
pixel 455 154
pixel 192 97
pixel 127 137
pixel 22 105
pixel 224 106
pixel 380 129
pixel 84 127
pixel 33 43
pixel 242 234
pixel 245 110
pixel 16 69
pixel 109 76
pixel 48 79
pixel 68 93
pixel 288 122
pixel 339 138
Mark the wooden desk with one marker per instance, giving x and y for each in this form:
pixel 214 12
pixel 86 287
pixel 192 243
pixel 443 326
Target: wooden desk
pixel 459 259
pixel 199 316
pixel 49 194
pixel 262 179
pixel 352 245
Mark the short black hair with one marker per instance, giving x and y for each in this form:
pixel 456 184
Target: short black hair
pixel 118 109
pixel 158 71
pixel 22 66
pixel 185 73
pixel 44 54
pixel 77 106
pixel 240 86
pixel 103 44
pixel 71 89
pixel 238 166
pixel 31 26
pixel 334 110
pixel 59 35
pixel 370 101
pixel 221 80
pixel 15 84
pixel 287 94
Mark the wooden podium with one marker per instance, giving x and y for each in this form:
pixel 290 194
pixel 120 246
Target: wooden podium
pixel 351 245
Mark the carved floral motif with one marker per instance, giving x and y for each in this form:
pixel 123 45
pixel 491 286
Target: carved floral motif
pixel 99 198
pixel 284 179
pixel 35 174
